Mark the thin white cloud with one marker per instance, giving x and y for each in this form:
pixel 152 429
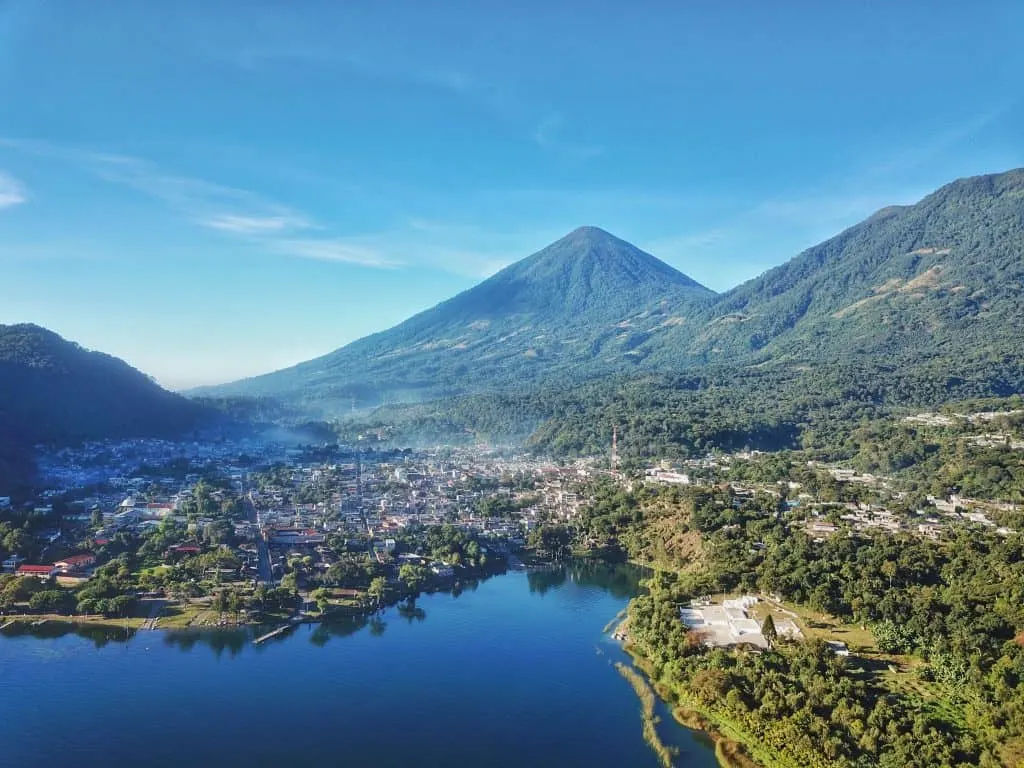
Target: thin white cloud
pixel 235 212
pixel 274 228
pixel 445 78
pixel 209 204
pixel 335 249
pixel 460 249
pixel 744 244
pixel 12 191
pixel 932 145
pixel 548 135
pixel 255 225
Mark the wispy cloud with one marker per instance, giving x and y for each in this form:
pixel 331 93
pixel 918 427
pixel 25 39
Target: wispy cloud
pixel 275 228
pixel 447 78
pixel 335 249
pixel 741 245
pixel 255 225
pixel 208 204
pixel 932 145
pixel 498 98
pixel 549 135
pixel 457 249
pixel 12 191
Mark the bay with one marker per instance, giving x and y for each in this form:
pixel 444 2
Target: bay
pixel 513 671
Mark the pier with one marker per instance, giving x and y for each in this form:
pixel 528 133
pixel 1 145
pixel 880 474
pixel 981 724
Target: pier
pixel 292 623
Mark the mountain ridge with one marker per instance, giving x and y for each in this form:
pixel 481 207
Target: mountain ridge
pixel 570 298
pixel 941 277
pixel 56 391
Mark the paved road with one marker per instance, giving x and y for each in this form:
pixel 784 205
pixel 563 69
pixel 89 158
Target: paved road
pixel 263 557
pixel 266 572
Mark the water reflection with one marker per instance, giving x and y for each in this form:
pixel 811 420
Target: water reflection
pixel 99 634
pixel 541 581
pixel 337 626
pixel 231 640
pixel 410 611
pixel 622 581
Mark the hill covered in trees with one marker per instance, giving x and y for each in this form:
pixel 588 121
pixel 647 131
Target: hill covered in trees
pixel 944 277
pixel 584 303
pixel 934 288
pixel 54 391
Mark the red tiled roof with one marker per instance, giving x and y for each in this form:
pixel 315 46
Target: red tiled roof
pixel 83 559
pixel 35 569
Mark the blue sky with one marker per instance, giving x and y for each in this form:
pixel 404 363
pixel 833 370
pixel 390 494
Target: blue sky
pixel 213 190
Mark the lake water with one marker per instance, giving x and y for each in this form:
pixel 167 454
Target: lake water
pixel 515 671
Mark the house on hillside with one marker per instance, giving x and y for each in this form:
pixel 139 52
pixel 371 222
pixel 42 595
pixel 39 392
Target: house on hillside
pixel 76 562
pixel 42 572
pixel 182 550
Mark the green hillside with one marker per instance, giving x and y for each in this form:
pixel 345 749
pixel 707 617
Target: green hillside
pixel 944 276
pixel 54 391
pixel 584 303
pixel 935 287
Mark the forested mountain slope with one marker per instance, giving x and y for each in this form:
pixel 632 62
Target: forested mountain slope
pixel 584 303
pixel 944 277
pixel 931 291
pixel 52 390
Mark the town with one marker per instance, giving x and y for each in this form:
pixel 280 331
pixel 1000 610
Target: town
pixel 191 534
pixel 165 534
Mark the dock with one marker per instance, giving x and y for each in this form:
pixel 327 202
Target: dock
pixel 10 623
pixel 292 623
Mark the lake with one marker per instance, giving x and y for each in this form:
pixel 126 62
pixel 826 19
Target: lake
pixel 512 671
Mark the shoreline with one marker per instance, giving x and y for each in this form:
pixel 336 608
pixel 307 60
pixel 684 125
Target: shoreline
pixel 731 749
pixel 198 615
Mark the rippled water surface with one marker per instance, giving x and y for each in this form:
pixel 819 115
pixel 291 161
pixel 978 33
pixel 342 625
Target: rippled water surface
pixel 514 672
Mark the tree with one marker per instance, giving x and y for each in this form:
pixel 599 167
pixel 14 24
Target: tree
pixel 551 540
pixel 888 570
pixel 219 532
pixel 51 601
pixel 323 599
pixel 413 576
pixel 377 590
pixel 18 541
pixel 768 630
